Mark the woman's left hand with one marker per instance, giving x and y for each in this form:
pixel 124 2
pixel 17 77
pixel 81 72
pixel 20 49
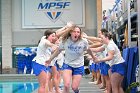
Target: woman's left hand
pixel 96 60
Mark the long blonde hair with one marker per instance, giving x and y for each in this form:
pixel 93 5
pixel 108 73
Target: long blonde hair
pixel 66 35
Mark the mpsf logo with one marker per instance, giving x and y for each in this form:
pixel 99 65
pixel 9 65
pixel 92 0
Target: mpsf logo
pixel 54 8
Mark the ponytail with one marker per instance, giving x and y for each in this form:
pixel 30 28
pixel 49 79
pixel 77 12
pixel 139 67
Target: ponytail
pixel 48 32
pixel 106 33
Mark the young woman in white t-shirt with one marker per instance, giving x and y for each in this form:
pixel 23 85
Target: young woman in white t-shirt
pixel 116 62
pixel 39 62
pixel 74 46
pixel 104 67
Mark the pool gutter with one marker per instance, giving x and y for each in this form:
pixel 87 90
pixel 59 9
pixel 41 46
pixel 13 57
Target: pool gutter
pixel 17 77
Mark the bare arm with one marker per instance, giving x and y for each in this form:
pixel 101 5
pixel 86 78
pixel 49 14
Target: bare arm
pixel 107 58
pixel 90 53
pixel 61 31
pixel 94 45
pixel 55 54
pixel 53 46
pixel 91 38
pixel 90 42
pixel 98 49
pixel 48 43
pixel 65 29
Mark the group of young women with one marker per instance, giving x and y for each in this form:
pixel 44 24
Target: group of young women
pixel 71 44
pixel 110 63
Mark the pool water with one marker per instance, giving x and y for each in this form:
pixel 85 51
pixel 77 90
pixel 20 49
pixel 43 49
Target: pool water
pixel 18 87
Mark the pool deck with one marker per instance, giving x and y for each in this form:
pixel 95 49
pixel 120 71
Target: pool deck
pixel 86 87
pixel 17 77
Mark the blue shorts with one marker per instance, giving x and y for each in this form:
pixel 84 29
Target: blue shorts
pixel 104 67
pixel 101 66
pixel 58 67
pixel 38 68
pixel 90 68
pixel 75 71
pixel 119 68
pixel 95 67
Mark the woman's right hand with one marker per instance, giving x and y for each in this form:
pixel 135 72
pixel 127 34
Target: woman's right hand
pixel 96 59
pixel 54 47
pixel 47 62
pixel 84 35
pixel 70 24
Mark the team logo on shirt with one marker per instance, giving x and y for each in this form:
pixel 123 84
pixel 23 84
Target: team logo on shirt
pixel 53 9
pixel 74 48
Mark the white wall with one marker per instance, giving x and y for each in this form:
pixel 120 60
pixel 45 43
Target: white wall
pixel 33 35
pixel 91 17
pixel 22 36
pixel 6 21
pixel 0 26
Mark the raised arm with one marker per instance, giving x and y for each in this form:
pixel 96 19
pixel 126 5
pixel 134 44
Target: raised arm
pixel 61 31
pixel 65 29
pixel 93 38
pixel 95 45
pixel 98 49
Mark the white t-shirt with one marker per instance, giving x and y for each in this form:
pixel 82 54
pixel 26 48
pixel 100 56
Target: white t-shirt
pixel 102 54
pixel 74 52
pixel 117 55
pixel 59 59
pixel 43 52
pixel 53 62
pixel 90 62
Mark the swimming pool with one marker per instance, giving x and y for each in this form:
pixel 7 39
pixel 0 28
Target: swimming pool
pixel 18 87
pixel 18 83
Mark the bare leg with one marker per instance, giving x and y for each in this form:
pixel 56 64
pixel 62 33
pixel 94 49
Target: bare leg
pixel 76 82
pixel 98 77
pixel 56 78
pixel 43 82
pixel 108 84
pixel 50 83
pixel 93 75
pixel 103 84
pixel 116 80
pixel 67 75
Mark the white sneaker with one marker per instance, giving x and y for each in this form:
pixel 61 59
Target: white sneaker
pixel 95 82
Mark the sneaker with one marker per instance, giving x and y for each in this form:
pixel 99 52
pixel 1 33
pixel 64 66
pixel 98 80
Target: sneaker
pixel 92 79
pixel 102 87
pixel 90 82
pixel 95 82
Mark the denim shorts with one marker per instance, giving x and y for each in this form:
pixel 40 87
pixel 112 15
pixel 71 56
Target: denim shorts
pixel 75 71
